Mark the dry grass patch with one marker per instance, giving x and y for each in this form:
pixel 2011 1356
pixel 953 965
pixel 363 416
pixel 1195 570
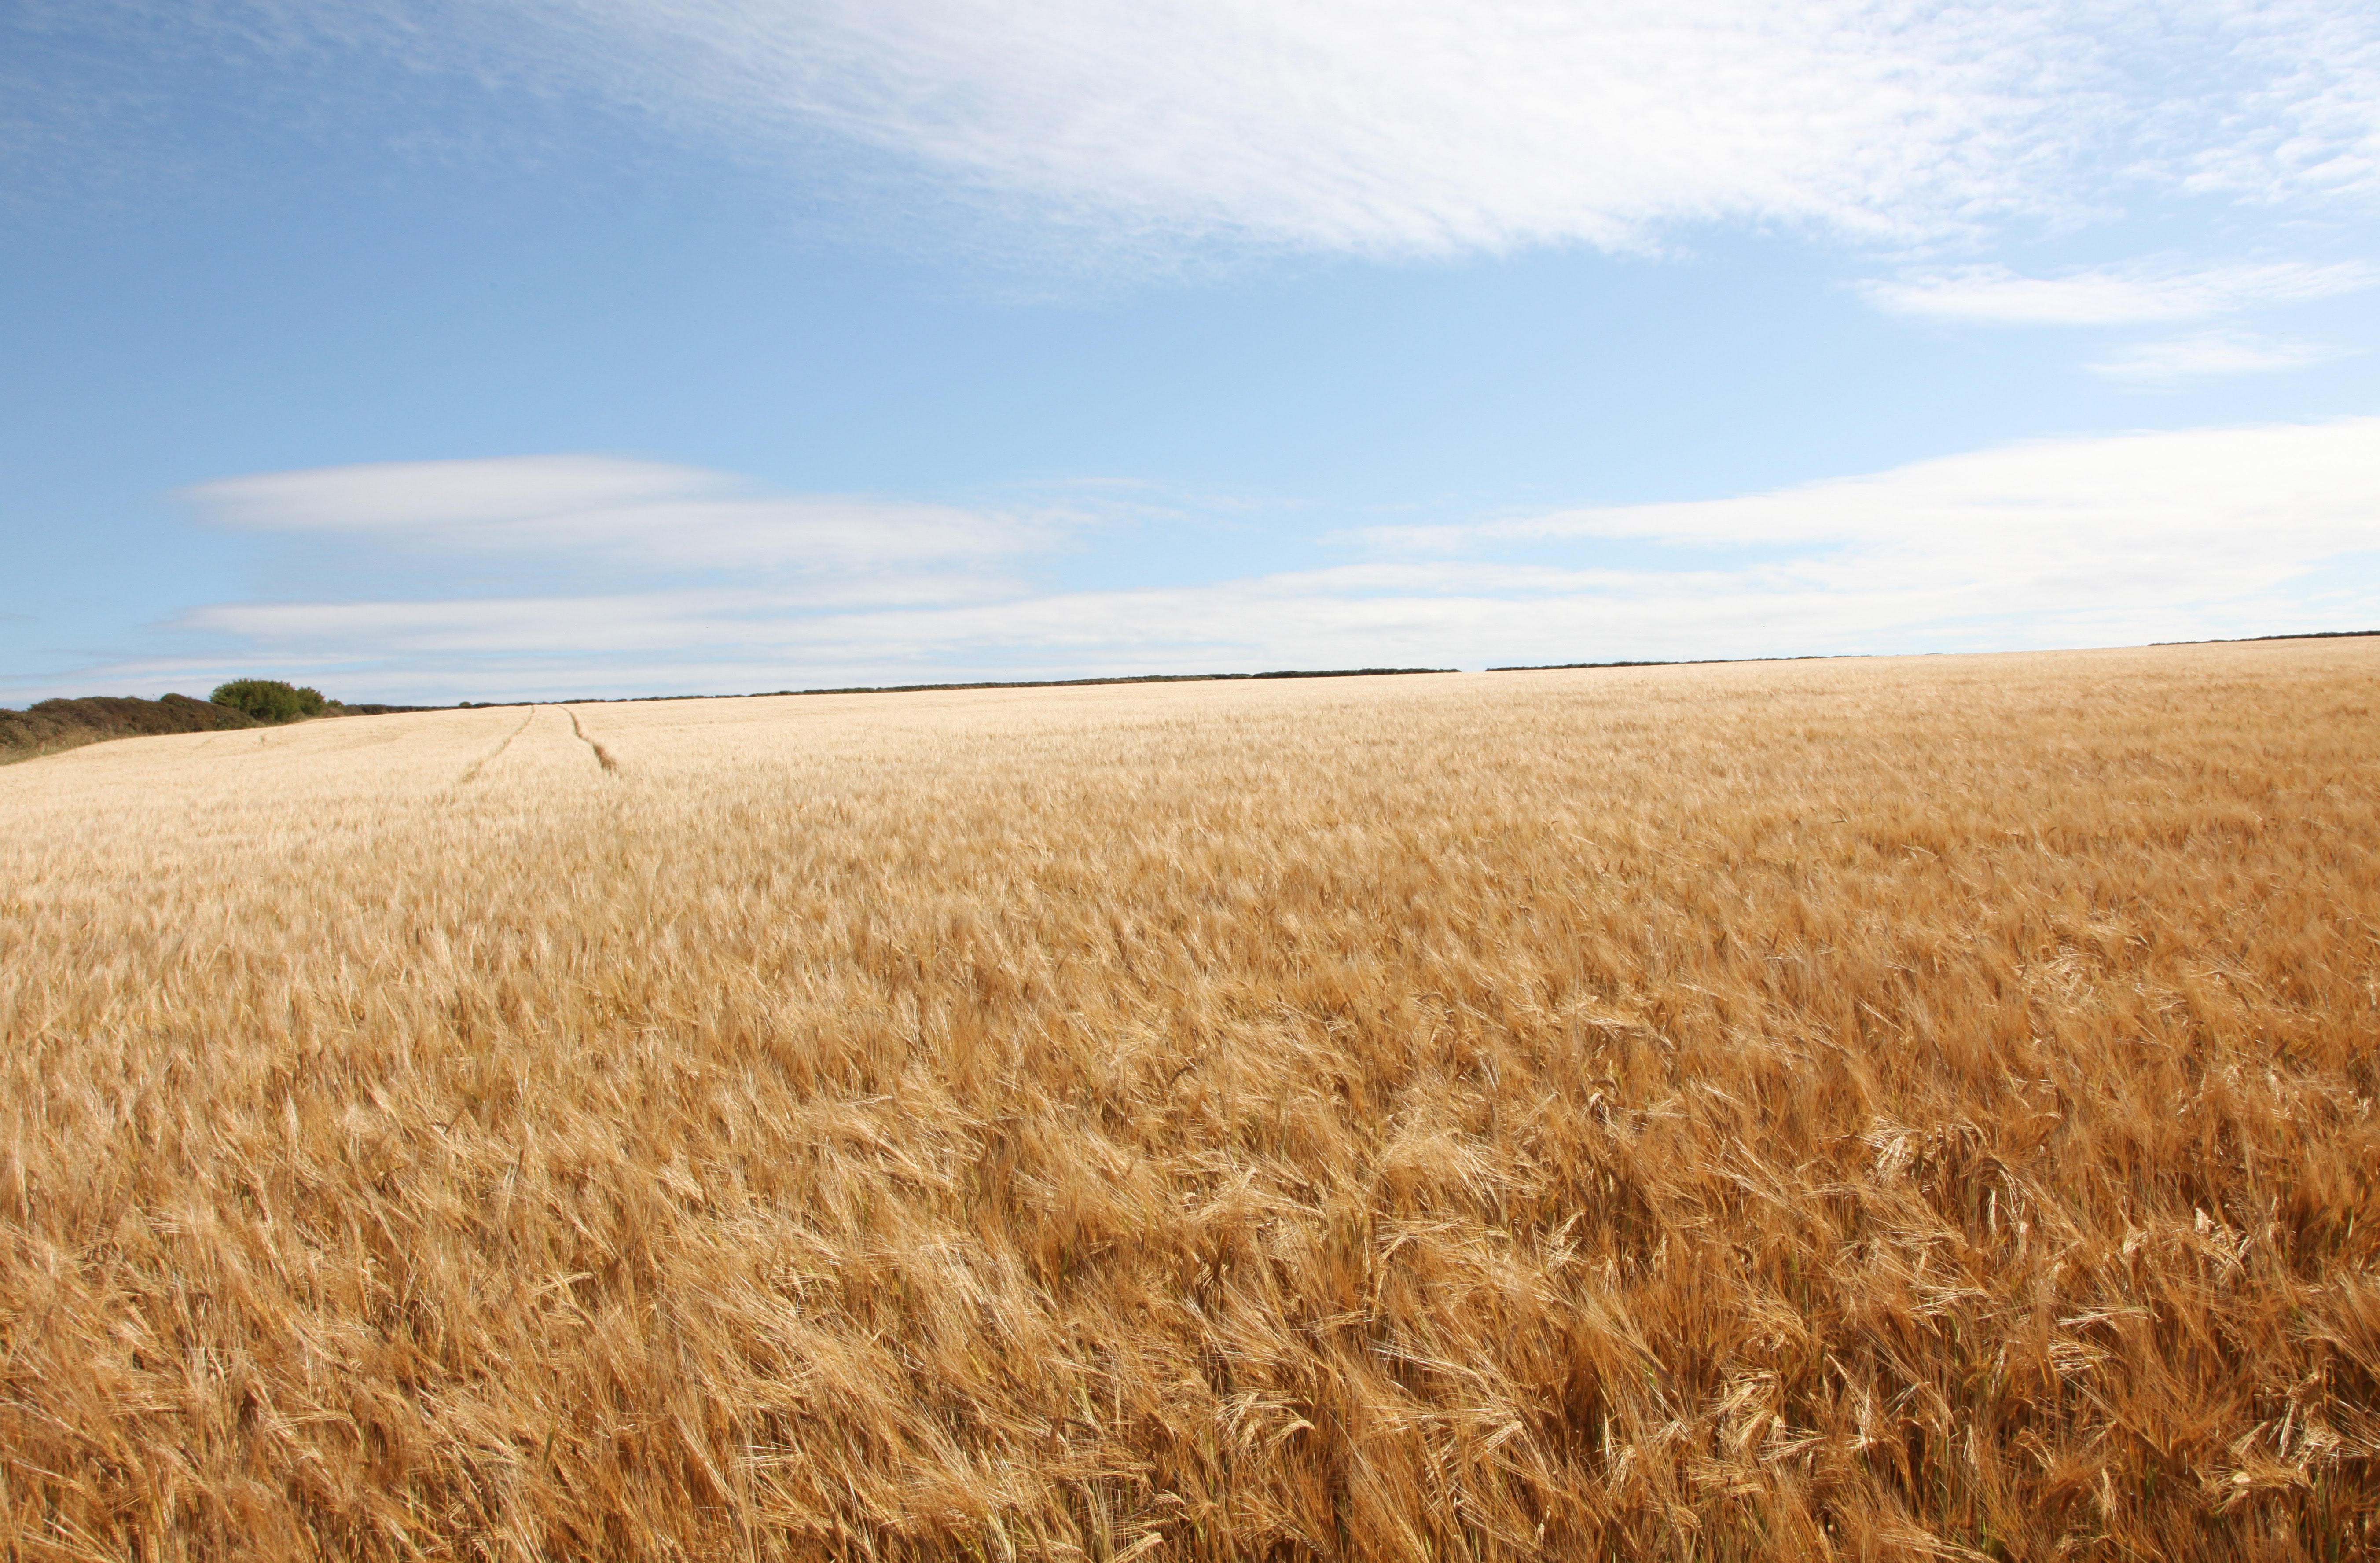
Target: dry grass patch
pixel 1900 1110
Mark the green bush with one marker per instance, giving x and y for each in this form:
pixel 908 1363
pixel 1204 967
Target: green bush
pixel 269 699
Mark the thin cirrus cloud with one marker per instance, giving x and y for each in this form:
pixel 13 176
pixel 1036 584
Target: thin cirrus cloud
pixel 2227 531
pixel 2286 492
pixel 1445 127
pixel 2208 353
pixel 611 512
pixel 2138 294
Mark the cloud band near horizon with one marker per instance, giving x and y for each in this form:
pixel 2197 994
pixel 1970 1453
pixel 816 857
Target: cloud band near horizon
pixel 707 583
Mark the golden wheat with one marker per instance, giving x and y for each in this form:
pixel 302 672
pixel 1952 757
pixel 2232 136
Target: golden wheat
pixel 1915 1109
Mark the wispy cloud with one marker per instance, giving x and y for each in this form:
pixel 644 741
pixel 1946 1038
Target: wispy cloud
pixel 2207 353
pixel 2075 541
pixel 1445 127
pixel 1412 126
pixel 2301 114
pixel 638 516
pixel 2136 294
pixel 1433 126
pixel 2221 494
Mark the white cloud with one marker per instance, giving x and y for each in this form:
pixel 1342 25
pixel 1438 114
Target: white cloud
pixel 2211 353
pixel 2304 117
pixel 606 510
pixel 2081 541
pixel 2226 495
pixel 1430 126
pixel 1384 128
pixel 2141 293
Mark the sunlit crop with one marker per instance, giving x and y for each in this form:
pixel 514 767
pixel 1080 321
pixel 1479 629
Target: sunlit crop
pixel 1911 1109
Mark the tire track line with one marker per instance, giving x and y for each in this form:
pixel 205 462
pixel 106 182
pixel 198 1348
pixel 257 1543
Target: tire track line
pixel 602 754
pixel 471 772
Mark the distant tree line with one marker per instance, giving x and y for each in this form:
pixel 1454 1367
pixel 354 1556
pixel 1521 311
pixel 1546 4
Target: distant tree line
pixel 49 726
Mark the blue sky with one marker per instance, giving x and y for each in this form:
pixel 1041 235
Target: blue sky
pixel 533 348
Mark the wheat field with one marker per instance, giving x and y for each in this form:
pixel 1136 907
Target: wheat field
pixel 1911 1109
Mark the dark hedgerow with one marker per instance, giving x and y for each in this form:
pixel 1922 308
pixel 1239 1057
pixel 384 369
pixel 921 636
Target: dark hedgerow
pixel 269 699
pixel 49 726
